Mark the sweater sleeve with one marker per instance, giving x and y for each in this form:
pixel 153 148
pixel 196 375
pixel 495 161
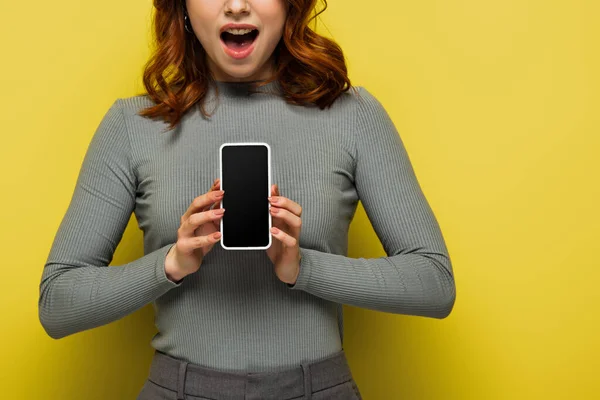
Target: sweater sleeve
pixel 416 277
pixel 78 289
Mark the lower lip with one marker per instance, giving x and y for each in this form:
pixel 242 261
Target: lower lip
pixel 238 55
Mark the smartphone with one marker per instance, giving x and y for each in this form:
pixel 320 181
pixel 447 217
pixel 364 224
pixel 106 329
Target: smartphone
pixel 246 179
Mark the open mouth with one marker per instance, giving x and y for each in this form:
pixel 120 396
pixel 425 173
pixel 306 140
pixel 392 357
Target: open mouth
pixel 239 42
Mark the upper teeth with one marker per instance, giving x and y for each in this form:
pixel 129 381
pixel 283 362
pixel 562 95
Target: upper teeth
pixel 239 31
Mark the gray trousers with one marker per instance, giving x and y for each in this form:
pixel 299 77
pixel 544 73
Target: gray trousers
pixel 173 379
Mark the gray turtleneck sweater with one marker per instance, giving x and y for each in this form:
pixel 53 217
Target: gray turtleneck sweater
pixel 234 313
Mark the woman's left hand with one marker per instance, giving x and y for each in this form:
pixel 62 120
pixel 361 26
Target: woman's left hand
pixel 285 250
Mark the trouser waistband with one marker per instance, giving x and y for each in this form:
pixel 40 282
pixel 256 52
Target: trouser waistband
pixel 187 378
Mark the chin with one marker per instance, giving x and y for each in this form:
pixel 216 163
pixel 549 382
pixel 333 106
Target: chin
pixel 242 72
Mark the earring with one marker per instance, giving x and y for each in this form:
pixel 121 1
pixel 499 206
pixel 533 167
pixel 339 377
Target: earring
pixel 186 23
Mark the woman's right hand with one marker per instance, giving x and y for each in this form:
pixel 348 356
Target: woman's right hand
pixel 197 234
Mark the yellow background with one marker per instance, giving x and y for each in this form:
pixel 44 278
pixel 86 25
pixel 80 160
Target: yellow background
pixel 498 105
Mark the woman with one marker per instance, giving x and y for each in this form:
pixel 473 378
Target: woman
pixel 247 324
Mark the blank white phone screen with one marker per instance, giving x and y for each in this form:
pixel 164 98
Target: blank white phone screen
pixel 245 180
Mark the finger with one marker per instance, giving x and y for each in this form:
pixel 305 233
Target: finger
pixel 274 190
pixel 213 206
pixel 292 220
pixel 283 237
pixel 189 226
pixel 284 202
pixel 215 185
pixel 201 203
pixel 188 245
pixel 216 205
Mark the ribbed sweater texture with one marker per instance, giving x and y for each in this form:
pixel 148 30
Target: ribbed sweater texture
pixel 234 313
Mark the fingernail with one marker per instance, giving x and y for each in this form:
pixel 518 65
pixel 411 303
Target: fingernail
pixel 274 199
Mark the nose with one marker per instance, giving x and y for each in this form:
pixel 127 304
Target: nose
pixel 236 7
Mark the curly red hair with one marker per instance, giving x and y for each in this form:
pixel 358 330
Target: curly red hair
pixel 310 68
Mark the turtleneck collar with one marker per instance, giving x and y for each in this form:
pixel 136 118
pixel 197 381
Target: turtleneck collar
pixel 241 89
